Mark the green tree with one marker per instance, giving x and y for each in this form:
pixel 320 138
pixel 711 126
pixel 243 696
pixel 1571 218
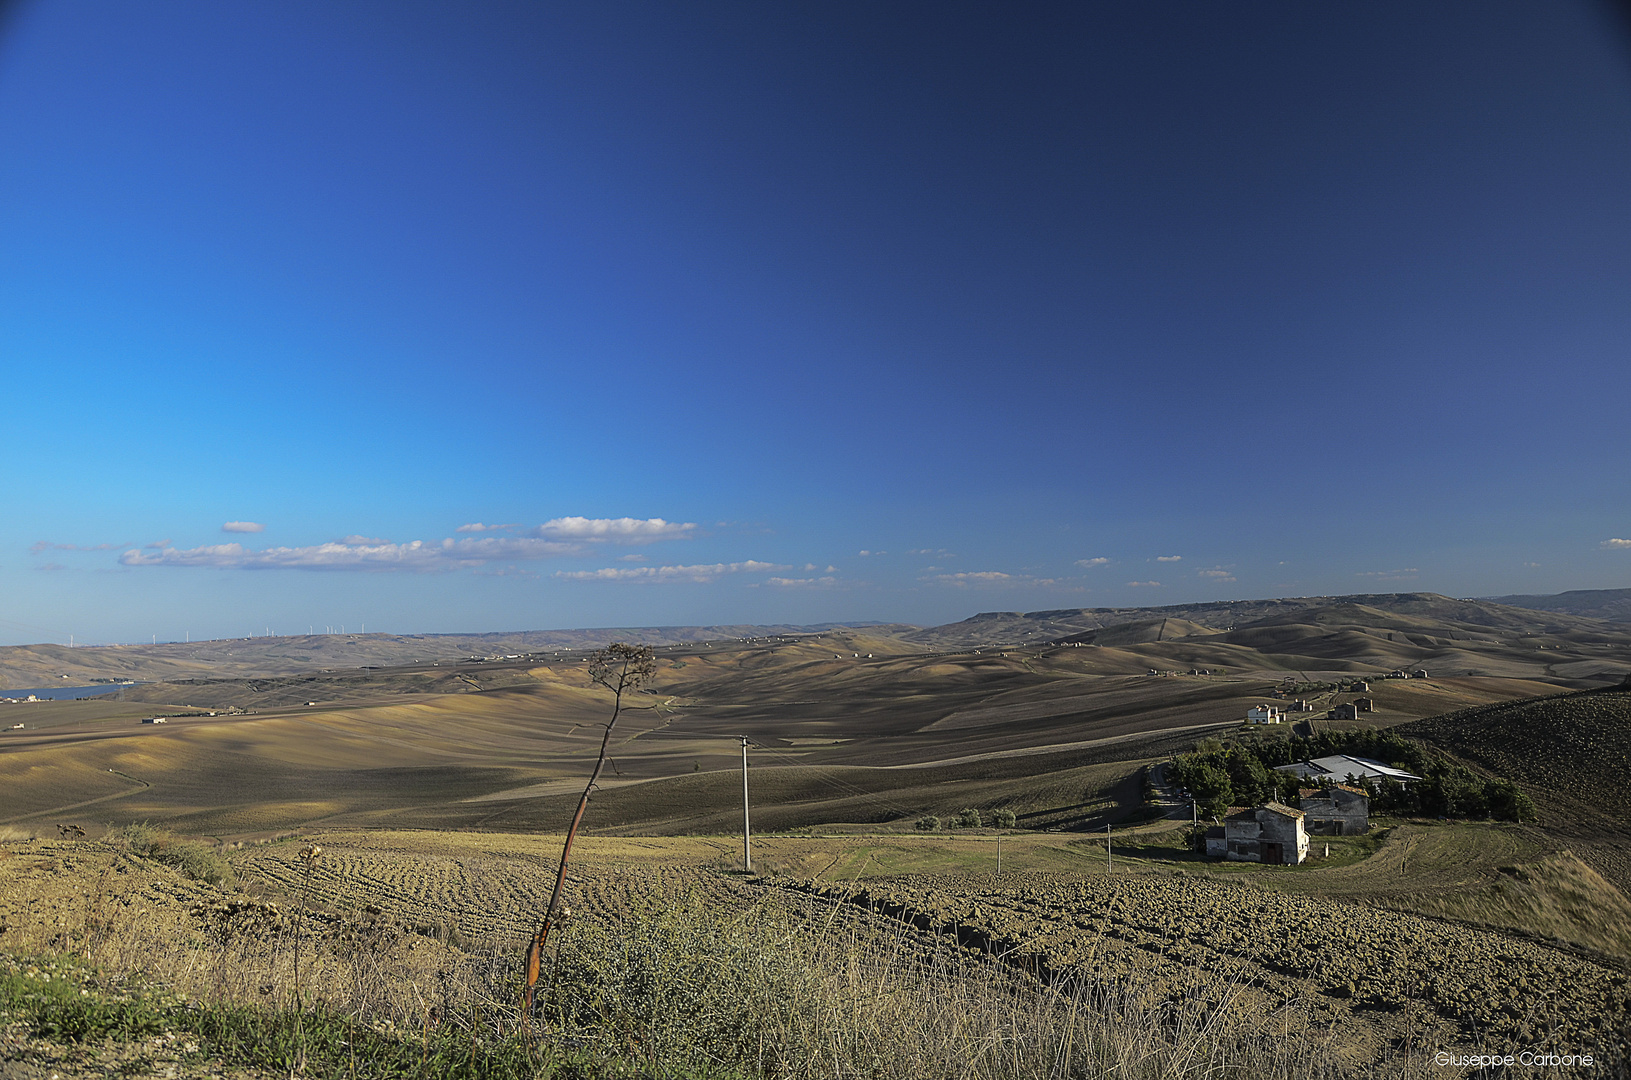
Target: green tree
pixel 1249 777
pixel 969 818
pixel 1210 786
pixel 928 823
pixel 1003 819
pixel 1507 803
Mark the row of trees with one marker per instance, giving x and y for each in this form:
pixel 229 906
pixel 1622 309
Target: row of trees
pixel 1240 775
pixel 1388 746
pixel 968 818
pixel 1452 791
pixel 1219 778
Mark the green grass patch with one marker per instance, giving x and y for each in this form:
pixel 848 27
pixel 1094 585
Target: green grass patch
pixel 63 1001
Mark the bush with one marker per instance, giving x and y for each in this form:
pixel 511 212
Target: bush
pixel 196 859
pixel 969 818
pixel 1003 819
pixel 686 983
pixel 928 823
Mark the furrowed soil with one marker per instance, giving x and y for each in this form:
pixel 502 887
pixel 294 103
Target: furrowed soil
pixel 1386 987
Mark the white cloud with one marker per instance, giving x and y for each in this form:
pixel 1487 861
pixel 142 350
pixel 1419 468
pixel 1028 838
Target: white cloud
pixel 977 577
pixel 1217 574
pixel 558 537
pixel 802 583
pixel 1143 584
pixel 864 553
pixel 671 573
pixel 413 556
pixel 623 530
pixel 939 553
pixel 46 545
pixel 1100 561
pixel 1531 564
pixel 1169 558
pixel 1407 574
pixel 1616 543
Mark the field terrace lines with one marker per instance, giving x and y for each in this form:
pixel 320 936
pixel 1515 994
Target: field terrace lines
pixel 479 886
pixel 1194 938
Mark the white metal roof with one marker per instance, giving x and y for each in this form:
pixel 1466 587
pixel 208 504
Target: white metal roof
pixel 1341 766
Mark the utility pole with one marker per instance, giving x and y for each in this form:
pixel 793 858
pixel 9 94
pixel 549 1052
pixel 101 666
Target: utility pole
pixel 999 856
pixel 747 848
pixel 1109 856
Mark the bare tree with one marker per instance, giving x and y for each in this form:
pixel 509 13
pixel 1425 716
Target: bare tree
pixel 622 669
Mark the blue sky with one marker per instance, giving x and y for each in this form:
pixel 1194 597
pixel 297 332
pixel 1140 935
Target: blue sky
pixel 735 312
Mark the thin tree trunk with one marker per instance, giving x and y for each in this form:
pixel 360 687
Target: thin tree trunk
pixel 535 950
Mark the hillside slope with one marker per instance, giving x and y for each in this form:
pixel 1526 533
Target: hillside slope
pixel 1572 752
pixel 1611 604
pixel 1418 610
pixel 31 666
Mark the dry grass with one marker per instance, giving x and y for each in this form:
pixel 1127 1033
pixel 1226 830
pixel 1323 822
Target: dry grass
pixel 1558 898
pixel 718 984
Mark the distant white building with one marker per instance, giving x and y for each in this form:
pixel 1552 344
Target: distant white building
pixel 1264 714
pixel 1335 768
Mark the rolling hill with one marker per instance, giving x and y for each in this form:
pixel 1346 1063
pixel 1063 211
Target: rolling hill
pixel 1571 752
pixel 1611 604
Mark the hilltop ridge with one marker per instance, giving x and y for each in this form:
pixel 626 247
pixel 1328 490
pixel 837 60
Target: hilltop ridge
pixel 1359 632
pixel 1013 627
pixel 1611 604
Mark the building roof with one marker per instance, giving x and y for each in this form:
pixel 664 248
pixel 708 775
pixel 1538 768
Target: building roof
pixel 1249 813
pixel 1338 767
pixel 1309 792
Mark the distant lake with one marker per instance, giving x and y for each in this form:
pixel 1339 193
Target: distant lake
pixel 65 693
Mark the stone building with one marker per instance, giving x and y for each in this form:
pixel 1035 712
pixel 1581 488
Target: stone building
pixel 1335 810
pixel 1271 833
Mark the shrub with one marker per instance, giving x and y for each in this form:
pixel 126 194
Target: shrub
pixel 968 818
pixel 1003 819
pixel 928 823
pixel 196 859
pixel 687 983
